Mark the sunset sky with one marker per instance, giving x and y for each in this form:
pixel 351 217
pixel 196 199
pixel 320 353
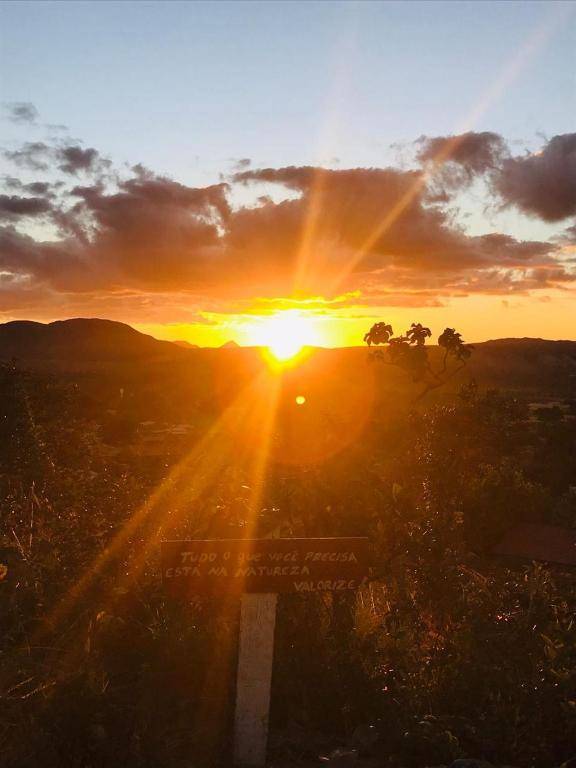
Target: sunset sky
pixel 199 170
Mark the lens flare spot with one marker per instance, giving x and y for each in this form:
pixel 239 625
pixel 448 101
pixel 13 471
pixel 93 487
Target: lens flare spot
pixel 300 400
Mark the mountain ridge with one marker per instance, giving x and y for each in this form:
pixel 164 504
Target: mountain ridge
pixel 87 339
pixel 99 339
pixel 121 353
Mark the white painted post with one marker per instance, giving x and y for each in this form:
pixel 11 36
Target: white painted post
pixel 257 619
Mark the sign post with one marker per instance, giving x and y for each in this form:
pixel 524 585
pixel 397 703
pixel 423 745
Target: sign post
pixel 257 570
pixel 257 620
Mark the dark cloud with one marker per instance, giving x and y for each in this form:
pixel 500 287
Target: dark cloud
pixel 33 155
pixel 150 235
pixel 153 232
pixel 42 188
pixel 351 205
pixel 39 188
pixel 21 112
pixel 455 161
pixel 12 206
pixel 11 182
pixel 542 184
pixel 473 152
pixel 72 159
pixel 56 265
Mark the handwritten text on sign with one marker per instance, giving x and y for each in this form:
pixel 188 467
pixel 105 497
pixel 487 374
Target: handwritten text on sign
pixel 264 565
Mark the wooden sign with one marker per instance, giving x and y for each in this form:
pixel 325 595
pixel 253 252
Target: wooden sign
pixel 263 565
pixel 257 569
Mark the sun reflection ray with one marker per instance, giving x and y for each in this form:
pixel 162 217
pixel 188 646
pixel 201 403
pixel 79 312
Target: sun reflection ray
pixel 243 433
pixel 204 464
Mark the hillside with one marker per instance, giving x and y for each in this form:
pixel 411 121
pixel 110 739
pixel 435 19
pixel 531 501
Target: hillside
pixel 111 441
pixel 185 344
pixel 534 364
pixel 81 341
pixel 538 366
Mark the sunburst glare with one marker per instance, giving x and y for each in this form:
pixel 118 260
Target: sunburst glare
pixel 285 333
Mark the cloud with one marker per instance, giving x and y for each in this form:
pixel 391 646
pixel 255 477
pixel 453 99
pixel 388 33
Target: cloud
pixel 12 206
pixel 542 184
pixel 322 235
pixel 21 112
pixel 568 237
pixel 33 155
pixel 73 159
pixel 473 152
pixel 40 188
pixel 454 162
pixel 58 127
pixel 350 206
pixel 59 266
pixel 155 232
pixel 70 158
pixel 240 164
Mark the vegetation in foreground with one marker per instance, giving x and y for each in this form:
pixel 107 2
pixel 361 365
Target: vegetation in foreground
pixel 447 653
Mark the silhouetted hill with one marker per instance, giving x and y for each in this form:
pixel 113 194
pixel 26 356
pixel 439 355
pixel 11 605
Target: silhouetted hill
pixel 537 366
pixel 185 344
pixel 528 341
pixel 81 341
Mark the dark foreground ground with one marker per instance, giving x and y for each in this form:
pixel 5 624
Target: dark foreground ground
pixel 449 653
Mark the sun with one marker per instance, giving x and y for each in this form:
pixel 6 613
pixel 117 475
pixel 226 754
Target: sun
pixel 285 333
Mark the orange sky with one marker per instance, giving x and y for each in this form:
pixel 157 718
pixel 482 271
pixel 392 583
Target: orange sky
pixel 478 318
pixel 430 180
